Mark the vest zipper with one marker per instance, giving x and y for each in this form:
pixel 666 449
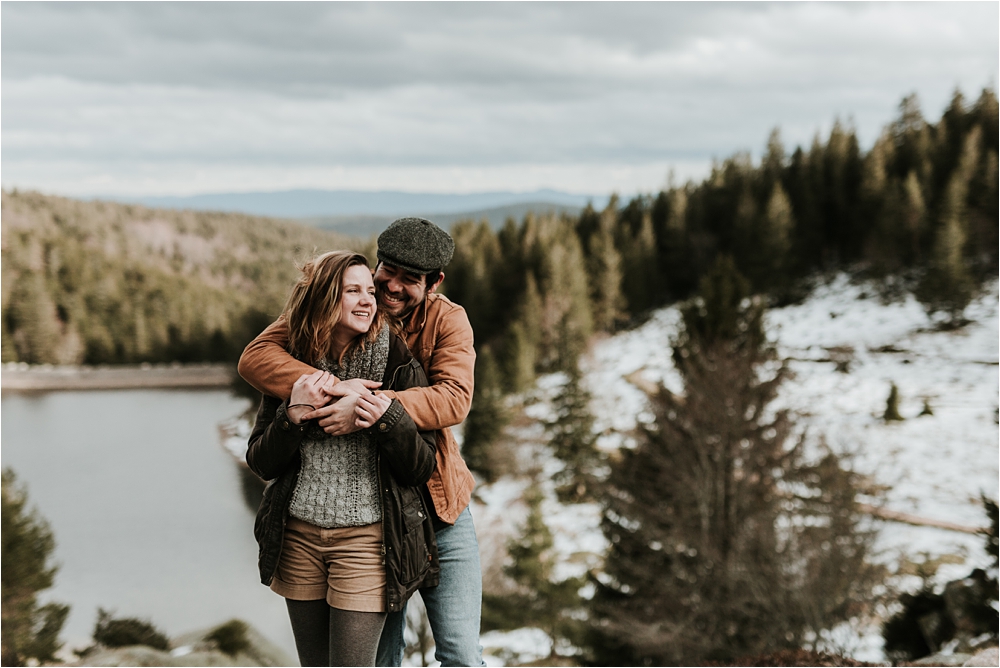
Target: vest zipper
pixel 395 374
pixel 381 503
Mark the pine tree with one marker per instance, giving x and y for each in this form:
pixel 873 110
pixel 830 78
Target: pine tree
pixel 725 540
pixel 947 284
pixel 30 631
pixel 571 435
pixel 641 280
pixel 914 217
pixel 891 413
pixel 880 203
pixel 926 409
pixel 482 430
pixel 32 316
pixel 604 273
pixel 673 257
pixel 842 170
pixel 567 321
pixel 775 239
pixel 472 274
pixel 523 339
pixel 538 600
pixel 773 163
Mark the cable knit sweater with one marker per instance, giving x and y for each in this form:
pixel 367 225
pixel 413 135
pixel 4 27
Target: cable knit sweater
pixel 338 482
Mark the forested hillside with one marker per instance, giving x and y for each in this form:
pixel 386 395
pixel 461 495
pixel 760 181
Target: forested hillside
pixel 94 282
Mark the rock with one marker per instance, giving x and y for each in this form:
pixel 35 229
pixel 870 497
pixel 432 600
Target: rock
pixel 985 657
pixel 191 649
pixel 967 603
pixel 140 655
pixel 956 659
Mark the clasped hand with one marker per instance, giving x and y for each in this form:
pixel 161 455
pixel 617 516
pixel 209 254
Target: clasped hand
pixel 340 408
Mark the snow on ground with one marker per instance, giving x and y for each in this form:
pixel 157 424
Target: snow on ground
pixel 935 466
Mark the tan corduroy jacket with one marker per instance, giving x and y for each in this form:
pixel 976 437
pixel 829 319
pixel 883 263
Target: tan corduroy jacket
pixel 439 335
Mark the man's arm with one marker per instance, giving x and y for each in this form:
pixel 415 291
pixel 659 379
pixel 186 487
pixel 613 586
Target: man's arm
pixel 266 364
pixel 450 368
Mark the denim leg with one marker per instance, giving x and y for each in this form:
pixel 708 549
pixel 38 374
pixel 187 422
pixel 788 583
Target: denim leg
pixel 392 644
pixel 454 607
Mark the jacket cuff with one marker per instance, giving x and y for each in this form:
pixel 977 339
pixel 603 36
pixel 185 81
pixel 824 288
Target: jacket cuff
pixel 284 423
pixel 389 419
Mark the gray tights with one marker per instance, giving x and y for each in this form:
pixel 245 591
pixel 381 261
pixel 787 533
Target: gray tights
pixel 326 636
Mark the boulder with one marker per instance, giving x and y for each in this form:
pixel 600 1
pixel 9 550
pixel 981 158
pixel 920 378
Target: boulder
pixel 197 648
pixel 985 657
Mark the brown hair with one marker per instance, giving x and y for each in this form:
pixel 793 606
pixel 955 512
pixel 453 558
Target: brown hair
pixel 313 308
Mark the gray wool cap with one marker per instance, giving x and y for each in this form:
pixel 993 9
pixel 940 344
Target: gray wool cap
pixel 416 245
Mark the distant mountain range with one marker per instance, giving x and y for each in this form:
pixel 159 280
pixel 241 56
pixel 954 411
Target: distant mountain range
pixel 364 212
pixel 367 225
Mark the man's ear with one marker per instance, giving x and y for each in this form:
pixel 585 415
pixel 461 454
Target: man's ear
pixel 434 286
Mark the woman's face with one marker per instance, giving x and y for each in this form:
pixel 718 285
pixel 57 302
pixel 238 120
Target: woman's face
pixel 357 302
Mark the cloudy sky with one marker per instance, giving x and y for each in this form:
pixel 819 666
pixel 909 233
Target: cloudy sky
pixel 186 98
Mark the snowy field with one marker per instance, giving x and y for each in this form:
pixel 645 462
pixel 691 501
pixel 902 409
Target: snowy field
pixel 935 466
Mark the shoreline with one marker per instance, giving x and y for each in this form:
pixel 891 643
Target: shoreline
pixel 21 377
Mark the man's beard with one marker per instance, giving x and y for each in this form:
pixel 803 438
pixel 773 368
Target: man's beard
pixel 406 306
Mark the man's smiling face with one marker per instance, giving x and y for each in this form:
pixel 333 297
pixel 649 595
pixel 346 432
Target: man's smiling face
pixel 400 291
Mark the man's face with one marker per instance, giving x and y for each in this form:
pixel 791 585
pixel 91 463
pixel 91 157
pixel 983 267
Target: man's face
pixel 400 291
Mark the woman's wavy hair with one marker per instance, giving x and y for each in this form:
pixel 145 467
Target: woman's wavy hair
pixel 313 308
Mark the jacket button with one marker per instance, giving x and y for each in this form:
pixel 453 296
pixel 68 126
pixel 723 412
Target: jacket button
pixel 381 426
pixel 419 514
pixel 284 424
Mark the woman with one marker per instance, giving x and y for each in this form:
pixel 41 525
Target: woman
pixel 343 528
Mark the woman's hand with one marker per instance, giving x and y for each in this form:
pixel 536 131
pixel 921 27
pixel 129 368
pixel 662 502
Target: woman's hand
pixel 370 408
pixel 307 395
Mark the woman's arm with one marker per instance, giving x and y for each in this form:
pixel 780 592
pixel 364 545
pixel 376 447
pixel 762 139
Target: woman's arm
pixel 274 441
pixel 278 429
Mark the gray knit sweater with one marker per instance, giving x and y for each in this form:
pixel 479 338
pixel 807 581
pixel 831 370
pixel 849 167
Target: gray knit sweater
pixel 338 483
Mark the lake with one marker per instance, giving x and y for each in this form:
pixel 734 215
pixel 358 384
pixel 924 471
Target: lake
pixel 146 506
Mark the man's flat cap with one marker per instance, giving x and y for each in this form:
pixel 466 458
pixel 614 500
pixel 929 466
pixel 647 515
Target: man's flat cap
pixel 416 245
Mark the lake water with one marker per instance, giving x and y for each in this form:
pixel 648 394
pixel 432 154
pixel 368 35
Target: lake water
pixel 146 506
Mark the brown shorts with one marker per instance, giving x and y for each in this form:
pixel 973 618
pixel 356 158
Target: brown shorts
pixel 342 565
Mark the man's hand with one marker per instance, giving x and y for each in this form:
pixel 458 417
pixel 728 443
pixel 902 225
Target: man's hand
pixel 352 386
pixel 337 418
pixel 370 407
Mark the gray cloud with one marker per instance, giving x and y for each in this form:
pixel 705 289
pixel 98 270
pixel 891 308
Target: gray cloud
pixel 116 89
pixel 323 47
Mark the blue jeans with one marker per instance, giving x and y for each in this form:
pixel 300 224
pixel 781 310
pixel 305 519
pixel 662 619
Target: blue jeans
pixel 453 607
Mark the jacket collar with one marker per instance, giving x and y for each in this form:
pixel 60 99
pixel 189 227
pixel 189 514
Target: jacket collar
pixel 417 318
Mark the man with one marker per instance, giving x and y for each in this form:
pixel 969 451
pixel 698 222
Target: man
pixel 412 254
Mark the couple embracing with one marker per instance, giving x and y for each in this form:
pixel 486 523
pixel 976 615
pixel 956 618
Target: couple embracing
pixel 367 495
